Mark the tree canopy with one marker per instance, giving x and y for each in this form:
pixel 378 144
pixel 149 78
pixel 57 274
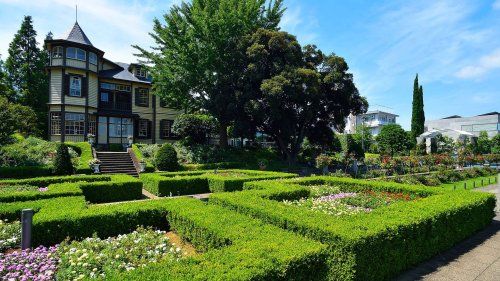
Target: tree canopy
pixel 393 140
pixel 25 73
pixel 418 115
pixel 197 63
pixel 290 93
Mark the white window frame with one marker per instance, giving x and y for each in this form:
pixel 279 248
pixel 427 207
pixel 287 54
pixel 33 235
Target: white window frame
pixel 92 58
pixel 75 90
pixel 76 54
pixel 142 130
pixel 57 52
pixel 140 72
pixel 74 123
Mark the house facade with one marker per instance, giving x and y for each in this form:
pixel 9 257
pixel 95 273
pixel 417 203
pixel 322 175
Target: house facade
pixel 374 120
pixel 90 94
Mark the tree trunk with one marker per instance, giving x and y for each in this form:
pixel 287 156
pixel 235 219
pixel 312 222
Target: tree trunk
pixel 223 135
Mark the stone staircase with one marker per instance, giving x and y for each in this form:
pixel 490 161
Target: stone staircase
pixel 116 163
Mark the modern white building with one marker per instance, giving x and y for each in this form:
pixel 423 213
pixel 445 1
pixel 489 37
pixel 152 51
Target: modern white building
pixel 489 122
pixel 375 120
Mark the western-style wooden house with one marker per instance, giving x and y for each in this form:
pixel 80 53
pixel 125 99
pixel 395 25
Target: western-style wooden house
pixel 90 94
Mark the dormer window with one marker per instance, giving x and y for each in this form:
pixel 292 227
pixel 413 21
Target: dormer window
pixel 75 53
pixel 92 58
pixel 57 52
pixel 140 72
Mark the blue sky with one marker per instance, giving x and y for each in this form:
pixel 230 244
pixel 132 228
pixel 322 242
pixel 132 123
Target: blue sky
pixel 454 45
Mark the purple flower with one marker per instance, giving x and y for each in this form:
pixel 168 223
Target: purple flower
pixel 43 189
pixel 37 264
pixel 337 196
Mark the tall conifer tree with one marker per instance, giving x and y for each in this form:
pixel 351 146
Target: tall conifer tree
pixel 417 116
pixel 25 72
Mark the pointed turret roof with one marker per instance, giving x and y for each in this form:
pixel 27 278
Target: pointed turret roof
pixel 77 35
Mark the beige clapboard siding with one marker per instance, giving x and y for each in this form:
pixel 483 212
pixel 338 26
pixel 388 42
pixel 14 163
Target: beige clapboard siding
pixel 73 108
pixel 76 63
pixel 161 114
pixel 57 62
pixel 93 90
pixel 55 138
pixel 55 86
pixel 74 138
pixel 106 65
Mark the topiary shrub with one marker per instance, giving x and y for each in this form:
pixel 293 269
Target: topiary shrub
pixel 62 162
pixel 166 158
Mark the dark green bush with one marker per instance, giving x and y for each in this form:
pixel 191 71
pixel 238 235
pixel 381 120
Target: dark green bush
pixel 62 162
pixel 20 172
pixel 194 182
pixel 166 158
pixel 194 128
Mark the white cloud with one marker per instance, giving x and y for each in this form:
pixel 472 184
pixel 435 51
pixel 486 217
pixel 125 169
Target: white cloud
pixel 300 24
pixel 496 5
pixel 485 64
pixel 111 25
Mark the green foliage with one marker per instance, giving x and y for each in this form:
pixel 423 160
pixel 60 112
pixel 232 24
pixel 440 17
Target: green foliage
pixel 10 235
pixel 393 140
pixel 146 153
pixel 351 147
pixel 196 58
pixel 418 115
pixel 483 143
pixel 296 89
pixel 375 245
pixel 166 158
pixel 15 118
pixel 195 182
pixel 495 144
pixel 25 72
pixel 194 128
pixel 364 137
pixel 445 144
pixel 28 152
pixel 96 189
pixel 62 161
pixel 19 172
pixel 84 151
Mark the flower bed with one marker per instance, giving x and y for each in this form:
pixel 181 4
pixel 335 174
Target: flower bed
pixel 330 200
pixel 10 234
pixel 193 182
pixel 440 177
pixel 90 258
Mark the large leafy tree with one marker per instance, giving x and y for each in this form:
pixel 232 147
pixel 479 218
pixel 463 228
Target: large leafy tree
pixel 418 115
pixel 483 143
pixel 5 88
pixel 196 61
pixel 26 74
pixel 392 140
pixel 290 93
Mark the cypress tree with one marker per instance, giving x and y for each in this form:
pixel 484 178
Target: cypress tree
pixel 417 116
pixel 62 162
pixel 25 69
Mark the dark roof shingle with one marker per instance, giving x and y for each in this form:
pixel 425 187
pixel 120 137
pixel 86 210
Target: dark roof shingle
pixel 77 35
pixel 122 73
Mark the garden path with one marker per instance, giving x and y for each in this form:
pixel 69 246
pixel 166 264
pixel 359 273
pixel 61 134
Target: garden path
pixel 476 258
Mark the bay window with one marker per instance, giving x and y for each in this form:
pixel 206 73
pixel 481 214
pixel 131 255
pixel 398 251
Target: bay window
pixel 75 53
pixel 74 123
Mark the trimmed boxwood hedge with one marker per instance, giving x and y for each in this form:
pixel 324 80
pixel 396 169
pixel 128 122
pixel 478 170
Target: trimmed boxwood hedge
pixel 233 245
pixel 370 246
pixel 96 189
pixel 20 172
pixel 194 182
pixel 85 151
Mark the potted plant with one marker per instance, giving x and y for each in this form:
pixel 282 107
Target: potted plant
pixel 95 165
pixel 263 164
pixel 91 139
pixel 142 165
pixel 130 141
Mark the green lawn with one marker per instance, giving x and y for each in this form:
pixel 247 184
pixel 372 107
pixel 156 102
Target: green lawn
pixel 470 183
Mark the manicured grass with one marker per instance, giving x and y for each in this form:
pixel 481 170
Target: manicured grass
pixel 470 183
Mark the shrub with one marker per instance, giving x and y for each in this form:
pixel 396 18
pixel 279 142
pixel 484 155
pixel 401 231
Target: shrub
pixel 166 158
pixel 84 151
pixel 375 245
pixel 62 162
pixel 194 128
pixel 20 172
pixel 194 182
